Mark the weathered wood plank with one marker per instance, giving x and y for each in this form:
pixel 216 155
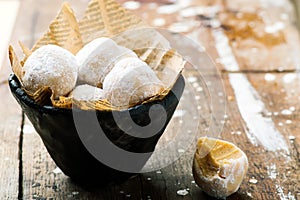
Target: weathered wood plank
pixel 39 178
pixel 40 181
pixel 10 128
pixel 276 171
pixel 258 45
pixel 188 19
pixel 281 97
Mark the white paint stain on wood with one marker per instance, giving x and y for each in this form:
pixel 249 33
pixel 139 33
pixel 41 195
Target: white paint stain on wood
pixel 261 129
pixel 282 196
pixel 179 113
pixel 272 171
pixel 224 50
pixel 251 108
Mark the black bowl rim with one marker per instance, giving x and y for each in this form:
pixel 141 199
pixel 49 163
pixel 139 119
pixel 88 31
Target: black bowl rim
pixel 15 86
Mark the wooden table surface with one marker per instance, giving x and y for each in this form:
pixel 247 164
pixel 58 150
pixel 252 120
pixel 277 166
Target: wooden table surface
pixel 261 94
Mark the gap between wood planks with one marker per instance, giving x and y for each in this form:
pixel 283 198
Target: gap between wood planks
pixel 246 71
pixel 20 194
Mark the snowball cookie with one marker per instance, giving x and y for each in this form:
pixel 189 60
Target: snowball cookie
pixel 129 82
pixel 87 93
pixel 51 66
pixel 97 58
pixel 219 167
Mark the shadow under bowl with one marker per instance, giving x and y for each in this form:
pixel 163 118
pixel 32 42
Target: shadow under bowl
pixel 71 136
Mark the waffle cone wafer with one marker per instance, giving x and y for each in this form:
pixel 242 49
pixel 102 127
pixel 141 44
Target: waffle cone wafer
pixel 14 61
pixel 27 52
pixel 105 18
pixel 63 31
pixel 41 96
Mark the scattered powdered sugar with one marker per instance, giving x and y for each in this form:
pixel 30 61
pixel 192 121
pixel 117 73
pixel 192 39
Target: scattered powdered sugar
pixel 179 113
pixel 197 97
pixel 184 26
pixel 181 150
pixel 286 112
pixel 274 28
pixel 132 5
pixel 249 194
pixel 253 180
pixel 289 78
pixel 192 79
pixel 281 194
pixel 291 137
pixel 173 8
pixel 270 77
pixel 288 121
pixel 159 22
pixel 75 193
pixel 57 171
pixel 208 11
pixel 272 171
pixel 292 108
pixel 168 9
pixel 28 129
pixel 236 132
pixel 182 192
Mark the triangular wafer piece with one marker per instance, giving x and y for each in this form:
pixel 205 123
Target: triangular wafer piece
pixel 47 38
pixel 64 31
pixel 15 64
pixel 26 52
pixel 106 18
pixel 170 67
pixel 41 96
pixel 62 102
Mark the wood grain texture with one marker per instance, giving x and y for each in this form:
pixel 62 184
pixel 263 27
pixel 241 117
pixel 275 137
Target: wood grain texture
pixel 272 169
pixel 40 181
pixel 10 128
pixel 163 184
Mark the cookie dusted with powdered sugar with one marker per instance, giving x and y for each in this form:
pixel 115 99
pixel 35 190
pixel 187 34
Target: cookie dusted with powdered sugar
pixel 219 167
pixel 97 58
pixel 52 66
pixel 87 93
pixel 131 81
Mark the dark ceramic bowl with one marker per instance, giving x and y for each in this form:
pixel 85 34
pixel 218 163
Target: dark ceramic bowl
pixel 60 135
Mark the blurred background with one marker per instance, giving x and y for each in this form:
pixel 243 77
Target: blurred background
pixel 255 45
pixel 8 14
